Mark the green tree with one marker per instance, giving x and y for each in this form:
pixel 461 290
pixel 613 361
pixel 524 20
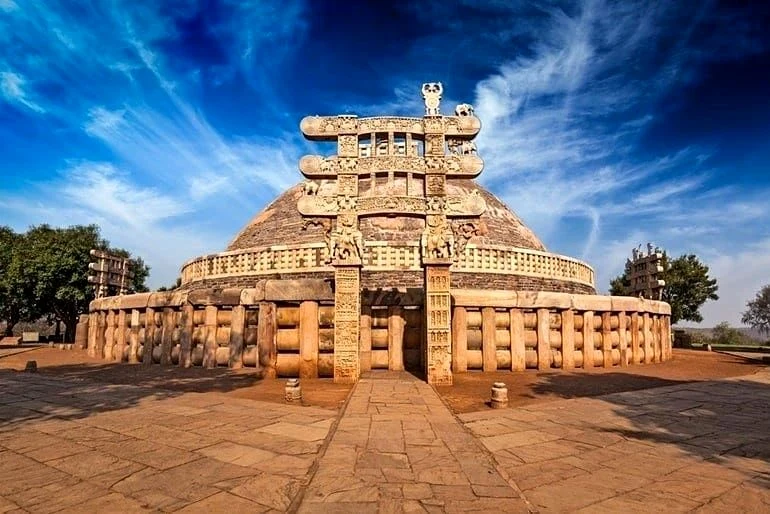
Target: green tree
pixel 619 285
pixel 688 287
pixel 757 314
pixel 14 300
pixel 723 333
pixel 56 266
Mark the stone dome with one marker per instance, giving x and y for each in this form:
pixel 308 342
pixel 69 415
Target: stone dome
pixel 280 223
pixel 501 252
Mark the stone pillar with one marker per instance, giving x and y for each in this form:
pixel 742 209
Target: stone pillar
pixel 460 340
pixel 438 327
pixel 488 339
pixel 396 324
pixel 266 332
pixel 167 337
pixel 607 339
pixel 149 336
pixel 636 354
pixel 185 337
pixel 588 339
pixel 658 341
pixel 347 322
pixel 543 339
pixel 518 349
pixel 308 339
pixel 237 327
pixel 210 334
pixel 93 320
pixel 133 347
pixel 667 343
pixel 365 348
pixel 647 338
pixel 120 340
pixel 622 340
pixel 109 336
pixel 81 333
pixel 568 339
pixel 101 328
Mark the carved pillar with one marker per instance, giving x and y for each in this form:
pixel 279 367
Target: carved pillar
pixel 438 303
pixel 347 320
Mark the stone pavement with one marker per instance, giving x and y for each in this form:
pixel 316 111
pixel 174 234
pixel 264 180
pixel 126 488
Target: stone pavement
pixel 397 448
pixel 69 445
pixel 702 447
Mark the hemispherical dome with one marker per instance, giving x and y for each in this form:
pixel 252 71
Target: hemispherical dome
pixel 281 223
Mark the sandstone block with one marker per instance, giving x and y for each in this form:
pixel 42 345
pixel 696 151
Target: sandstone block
pixel 298 290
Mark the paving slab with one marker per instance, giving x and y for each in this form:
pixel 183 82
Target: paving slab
pixel 398 448
pixel 76 446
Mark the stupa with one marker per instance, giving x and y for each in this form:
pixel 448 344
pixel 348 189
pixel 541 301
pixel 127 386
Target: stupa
pixel 388 256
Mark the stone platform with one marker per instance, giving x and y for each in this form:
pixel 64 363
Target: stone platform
pixel 70 445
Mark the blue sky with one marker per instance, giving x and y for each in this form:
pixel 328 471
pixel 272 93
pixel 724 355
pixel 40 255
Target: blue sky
pixel 605 124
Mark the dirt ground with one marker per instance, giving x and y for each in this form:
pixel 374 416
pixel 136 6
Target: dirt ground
pixel 471 390
pixel 245 383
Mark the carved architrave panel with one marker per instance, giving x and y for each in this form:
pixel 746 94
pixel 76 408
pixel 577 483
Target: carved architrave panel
pixel 328 127
pixel 347 314
pixel 315 166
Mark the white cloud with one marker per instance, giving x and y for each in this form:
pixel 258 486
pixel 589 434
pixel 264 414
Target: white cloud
pixel 12 87
pixel 8 5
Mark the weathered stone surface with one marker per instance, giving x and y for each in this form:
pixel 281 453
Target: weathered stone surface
pixel 215 296
pixel 134 301
pixel 298 290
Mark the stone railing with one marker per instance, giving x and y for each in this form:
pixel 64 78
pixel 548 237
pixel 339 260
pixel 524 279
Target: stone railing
pixel 285 328
pixel 380 256
pixel 494 330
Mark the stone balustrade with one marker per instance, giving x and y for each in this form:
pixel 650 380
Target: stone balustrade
pixel 381 256
pixel 286 328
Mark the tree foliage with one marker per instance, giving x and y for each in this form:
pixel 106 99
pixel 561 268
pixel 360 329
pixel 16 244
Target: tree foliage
pixel 757 314
pixel 47 273
pixel 723 333
pixel 688 287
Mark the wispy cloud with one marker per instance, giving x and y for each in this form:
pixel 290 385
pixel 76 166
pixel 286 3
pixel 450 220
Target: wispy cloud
pixel 12 88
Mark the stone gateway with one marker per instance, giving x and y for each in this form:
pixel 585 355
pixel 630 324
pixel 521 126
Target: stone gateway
pixel 388 256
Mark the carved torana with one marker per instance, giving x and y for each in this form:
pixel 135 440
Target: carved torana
pixel 384 155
